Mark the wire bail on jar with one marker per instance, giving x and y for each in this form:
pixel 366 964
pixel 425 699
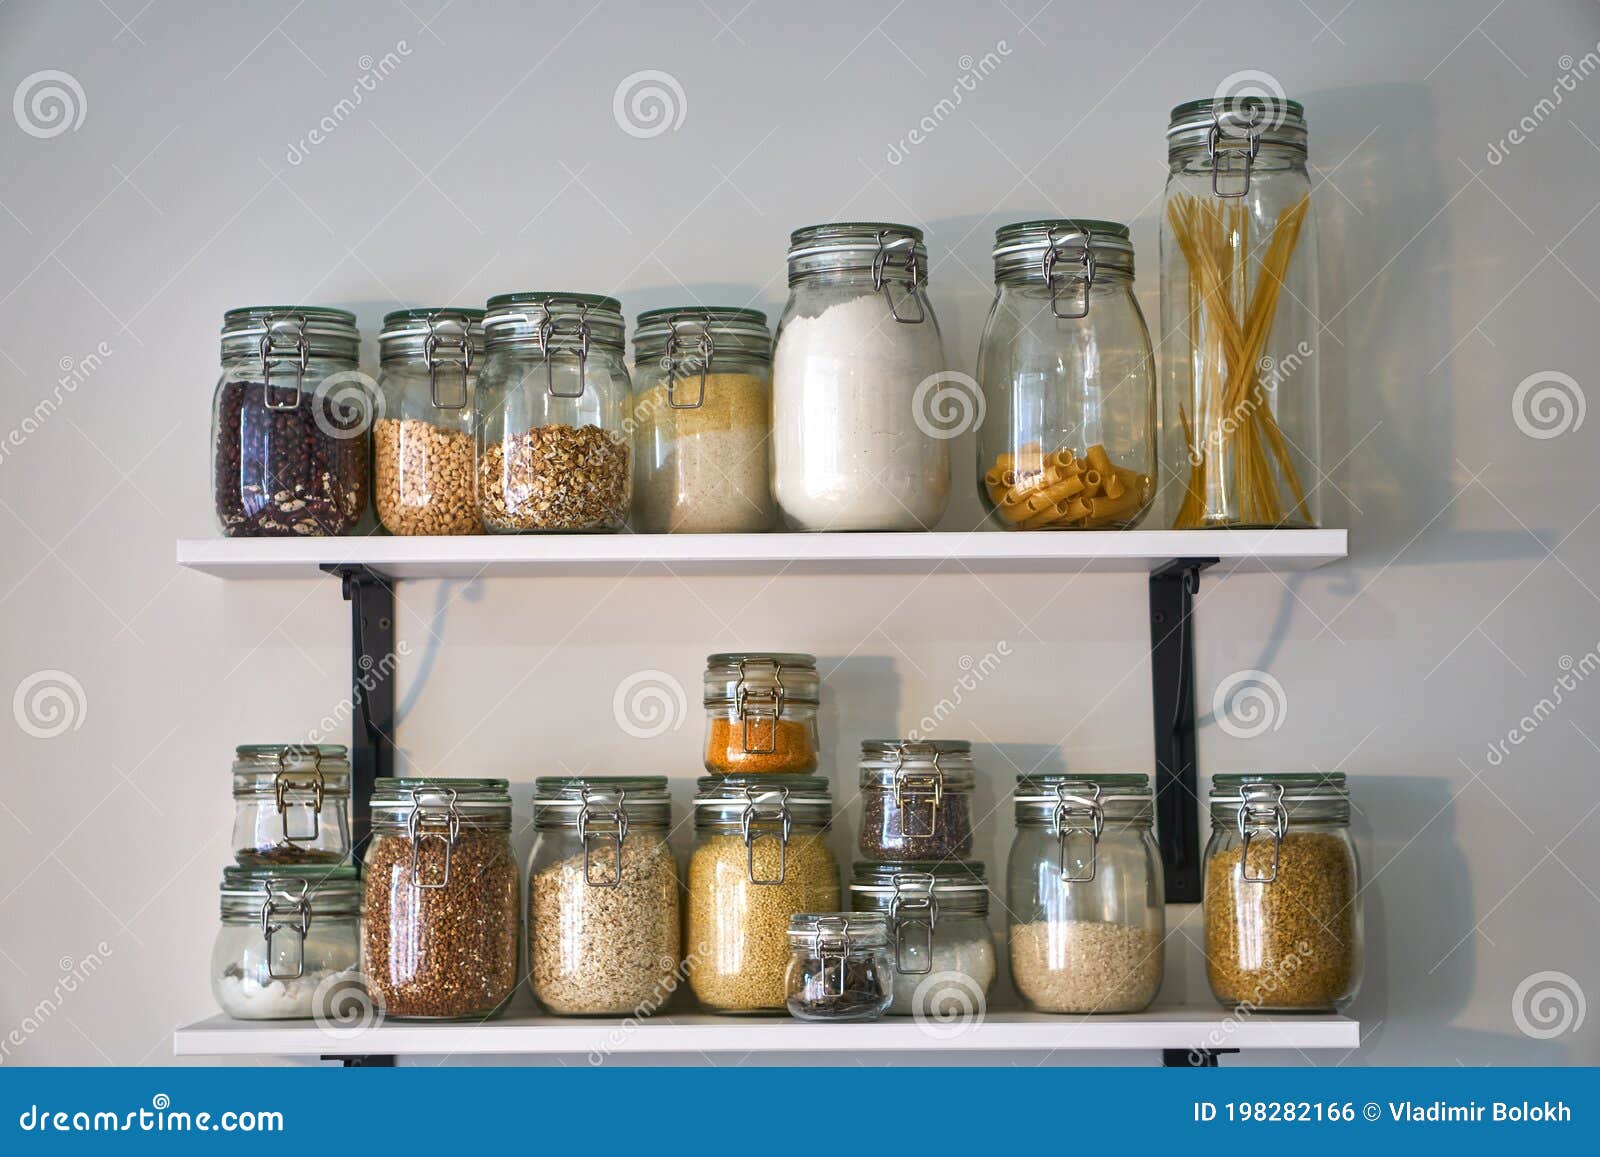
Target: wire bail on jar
pixel 442 824
pixel 1248 145
pixel 1084 273
pixel 1076 816
pixel 548 329
pixel 284 783
pixel 914 785
pixel 914 908
pixel 297 907
pixel 760 703
pixel 759 820
pixel 443 341
pixel 881 284
pixel 704 349
pixel 830 943
pixel 601 824
pixel 286 333
pixel 1261 812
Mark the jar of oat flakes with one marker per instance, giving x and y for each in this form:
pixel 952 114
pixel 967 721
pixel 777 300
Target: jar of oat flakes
pixel 602 896
pixel 423 474
pixel 552 413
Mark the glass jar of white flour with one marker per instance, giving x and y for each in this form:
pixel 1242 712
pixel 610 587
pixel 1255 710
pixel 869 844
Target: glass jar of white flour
pixel 856 376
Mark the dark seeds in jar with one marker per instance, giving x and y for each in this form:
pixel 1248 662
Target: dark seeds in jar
pixel 883 823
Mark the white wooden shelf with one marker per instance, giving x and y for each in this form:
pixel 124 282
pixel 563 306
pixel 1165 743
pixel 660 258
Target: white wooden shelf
pixel 486 556
pixel 1160 1028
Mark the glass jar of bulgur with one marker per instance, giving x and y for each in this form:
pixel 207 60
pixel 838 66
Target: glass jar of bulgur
pixel 760 856
pixel 1282 893
pixel 761 713
pixel 439 914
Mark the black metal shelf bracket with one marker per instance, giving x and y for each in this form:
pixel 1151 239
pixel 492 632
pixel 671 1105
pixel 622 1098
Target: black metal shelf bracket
pixel 372 668
pixel 1172 589
pixel 1192 1058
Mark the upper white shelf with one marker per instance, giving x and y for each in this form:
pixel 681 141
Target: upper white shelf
pixel 992 551
pixel 1000 1031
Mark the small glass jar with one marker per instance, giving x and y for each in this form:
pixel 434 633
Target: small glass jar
pixel 858 384
pixel 1068 440
pixel 1085 893
pixel 288 946
pixel 290 423
pixel 1282 893
pixel 602 896
pixel 702 421
pixel 291 804
pixel 424 479
pixel 838 966
pixel 761 713
pixel 1240 331
pixel 760 855
pixel 916 799
pixel 439 917
pixel 551 415
pixel 941 949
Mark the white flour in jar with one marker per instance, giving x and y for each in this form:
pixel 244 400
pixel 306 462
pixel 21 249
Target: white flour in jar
pixel 847 451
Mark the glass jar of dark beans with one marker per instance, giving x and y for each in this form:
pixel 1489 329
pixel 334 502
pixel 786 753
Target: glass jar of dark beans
pixel 838 966
pixel 291 423
pixel 916 799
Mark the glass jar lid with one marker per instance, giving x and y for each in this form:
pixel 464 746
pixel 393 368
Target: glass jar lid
pixel 268 769
pixel 567 323
pixel 1274 799
pixel 1075 809
pixel 573 801
pixel 1237 120
pixel 893 254
pixel 424 334
pixel 930 886
pixel 686 343
pixel 760 681
pixel 440 806
pixel 1067 256
pixel 838 933
pixel 915 766
pixel 762 807
pixel 289 333
pixel 326 891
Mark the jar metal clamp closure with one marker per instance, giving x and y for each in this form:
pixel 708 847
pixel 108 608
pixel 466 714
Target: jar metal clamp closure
pixel 1077 816
pixel 600 824
pixel 297 908
pixel 448 333
pixel 704 348
pixel 285 783
pixel 1247 143
pixel 914 785
pixel 1261 813
pixel 830 944
pixel 914 908
pixel 1054 252
pixel 289 329
pixel 887 243
pixel 572 333
pixel 759 820
pixel 432 824
pixel 760 703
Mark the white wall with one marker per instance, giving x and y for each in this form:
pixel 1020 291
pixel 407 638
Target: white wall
pixel 490 161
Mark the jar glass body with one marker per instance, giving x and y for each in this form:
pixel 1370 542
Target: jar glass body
pixel 833 979
pixel 941 953
pixel 440 943
pixel 854 444
pixel 424 476
pixel 299 466
pixel 1081 385
pixel 241 978
pixel 599 944
pixel 548 461
pixel 1240 442
pixel 706 468
pixel 1086 946
pixel 1293 944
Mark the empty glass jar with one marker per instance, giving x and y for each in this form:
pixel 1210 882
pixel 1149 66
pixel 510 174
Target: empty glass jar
pixel 290 424
pixel 1282 893
pixel 291 804
pixel 761 712
pixel 552 415
pixel 1085 893
pixel 1068 440
pixel 424 480
pixel 916 799
pixel 859 393
pixel 288 942
pixel 1239 326
pixel 702 421
pixel 602 896
pixel 940 947
pixel 838 966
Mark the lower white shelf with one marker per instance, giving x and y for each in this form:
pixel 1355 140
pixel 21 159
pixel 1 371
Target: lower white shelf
pixel 1159 1028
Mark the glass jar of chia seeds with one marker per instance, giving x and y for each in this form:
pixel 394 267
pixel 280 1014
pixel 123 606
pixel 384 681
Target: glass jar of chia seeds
pixel 761 712
pixel 1085 894
pixel 838 966
pixel 424 481
pixel 916 799
pixel 940 947
pixel 290 423
pixel 1282 893
pixel 702 421
pixel 439 915
pixel 551 416
pixel 291 804
pixel 603 924
pixel 760 855
pixel 288 946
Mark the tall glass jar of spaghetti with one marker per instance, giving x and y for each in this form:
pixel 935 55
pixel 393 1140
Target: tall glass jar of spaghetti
pixel 1240 332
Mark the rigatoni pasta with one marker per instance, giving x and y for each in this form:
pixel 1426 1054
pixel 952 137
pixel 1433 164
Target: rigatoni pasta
pixel 1059 490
